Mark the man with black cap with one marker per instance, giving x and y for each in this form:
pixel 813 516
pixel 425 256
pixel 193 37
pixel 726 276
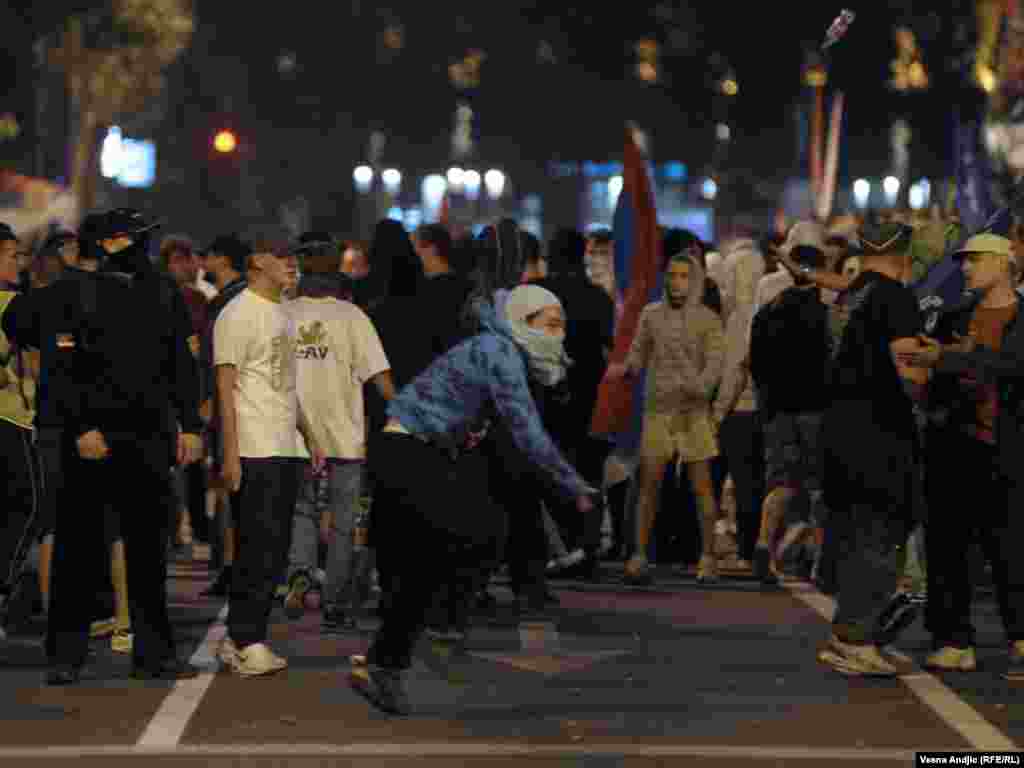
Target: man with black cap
pixel 869 439
pixel 118 371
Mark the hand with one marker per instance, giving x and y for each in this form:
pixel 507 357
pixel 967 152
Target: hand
pixel 193 345
pixel 926 356
pixel 92 446
pixel 964 344
pixel 206 411
pixel 190 448
pixel 318 459
pixel 232 473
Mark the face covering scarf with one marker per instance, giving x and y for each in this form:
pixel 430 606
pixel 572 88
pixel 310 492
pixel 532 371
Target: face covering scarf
pixel 546 352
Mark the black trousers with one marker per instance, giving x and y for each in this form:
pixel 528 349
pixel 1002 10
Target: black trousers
pixel 263 521
pixel 742 444
pixel 435 532
pixel 131 481
pixel 970 501
pixel 18 499
pixel 588 455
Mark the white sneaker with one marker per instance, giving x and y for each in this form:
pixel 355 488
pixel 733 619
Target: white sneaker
pixel 255 660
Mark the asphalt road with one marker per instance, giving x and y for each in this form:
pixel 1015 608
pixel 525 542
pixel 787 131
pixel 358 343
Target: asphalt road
pixel 676 674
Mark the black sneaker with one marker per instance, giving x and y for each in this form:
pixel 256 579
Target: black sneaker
pixel 63 674
pixel 381 687
pixel 899 614
pixel 336 622
pixel 170 670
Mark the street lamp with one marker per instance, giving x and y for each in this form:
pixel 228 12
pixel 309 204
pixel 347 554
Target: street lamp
pixel 433 189
pixel 861 192
pixel 471 180
pixel 494 180
pixel 392 179
pixel 709 189
pixel 456 177
pixel 891 187
pixel 363 177
pixel 225 141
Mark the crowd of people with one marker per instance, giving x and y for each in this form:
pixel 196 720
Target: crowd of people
pixel 428 400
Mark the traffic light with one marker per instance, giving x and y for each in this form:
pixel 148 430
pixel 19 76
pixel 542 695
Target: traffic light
pixel 225 141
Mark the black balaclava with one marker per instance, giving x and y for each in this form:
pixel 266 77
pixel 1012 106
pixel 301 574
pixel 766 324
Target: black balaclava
pixel 134 259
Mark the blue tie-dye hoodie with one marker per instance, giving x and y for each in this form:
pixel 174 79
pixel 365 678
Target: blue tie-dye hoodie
pixel 485 372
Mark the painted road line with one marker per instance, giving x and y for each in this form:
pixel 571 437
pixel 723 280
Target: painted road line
pixel 953 711
pixel 170 721
pixel 472 749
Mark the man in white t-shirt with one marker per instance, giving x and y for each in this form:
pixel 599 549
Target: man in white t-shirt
pixel 338 351
pixel 254 356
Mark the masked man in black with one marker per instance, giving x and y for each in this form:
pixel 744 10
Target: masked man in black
pixel 117 370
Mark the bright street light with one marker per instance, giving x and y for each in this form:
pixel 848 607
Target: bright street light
pixel 494 180
pixel 861 192
pixel 456 177
pixel 225 141
pixel 363 176
pixel 471 180
pixel 392 179
pixel 891 186
pixel 709 189
pixel 434 187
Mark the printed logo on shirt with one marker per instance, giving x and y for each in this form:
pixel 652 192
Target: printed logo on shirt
pixel 282 363
pixel 314 342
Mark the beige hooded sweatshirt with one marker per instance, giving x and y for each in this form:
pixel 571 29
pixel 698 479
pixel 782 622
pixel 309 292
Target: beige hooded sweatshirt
pixel 682 349
pixel 743 267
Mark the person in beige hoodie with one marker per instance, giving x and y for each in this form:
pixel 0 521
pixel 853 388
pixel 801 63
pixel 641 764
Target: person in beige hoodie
pixel 680 343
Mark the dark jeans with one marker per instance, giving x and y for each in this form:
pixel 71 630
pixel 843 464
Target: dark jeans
pixel 969 501
pixel 132 480
pixel 425 548
pixel 742 444
pixel 870 549
pixel 263 521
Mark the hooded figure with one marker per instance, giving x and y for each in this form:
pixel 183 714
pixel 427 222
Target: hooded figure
pixel 395 269
pixel 545 352
pixel 680 343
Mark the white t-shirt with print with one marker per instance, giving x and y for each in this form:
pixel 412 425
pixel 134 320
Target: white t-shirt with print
pixel 256 336
pixel 337 351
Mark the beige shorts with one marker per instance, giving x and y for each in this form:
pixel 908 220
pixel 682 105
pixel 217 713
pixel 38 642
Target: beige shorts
pixel 689 436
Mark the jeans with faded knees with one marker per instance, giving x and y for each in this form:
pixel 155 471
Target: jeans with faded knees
pixel 344 484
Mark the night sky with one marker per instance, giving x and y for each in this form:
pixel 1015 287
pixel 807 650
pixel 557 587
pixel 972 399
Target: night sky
pixel 573 108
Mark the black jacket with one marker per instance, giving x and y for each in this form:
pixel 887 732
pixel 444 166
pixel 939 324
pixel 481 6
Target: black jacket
pixel 946 405
pixel 114 353
pixel 213 310
pixel 589 332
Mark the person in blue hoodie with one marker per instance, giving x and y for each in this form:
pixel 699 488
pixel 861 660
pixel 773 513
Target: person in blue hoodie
pixel 443 508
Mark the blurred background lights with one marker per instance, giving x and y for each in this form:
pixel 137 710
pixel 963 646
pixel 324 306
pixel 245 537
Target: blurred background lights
pixel 861 192
pixel 614 190
pixel 363 176
pixel 392 179
pixel 456 177
pixel 494 180
pixel 709 189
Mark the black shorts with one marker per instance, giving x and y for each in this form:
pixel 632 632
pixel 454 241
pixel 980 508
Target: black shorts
pixel 793 452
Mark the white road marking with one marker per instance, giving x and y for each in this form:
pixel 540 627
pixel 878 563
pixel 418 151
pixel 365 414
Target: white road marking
pixel 954 711
pixel 170 721
pixel 473 749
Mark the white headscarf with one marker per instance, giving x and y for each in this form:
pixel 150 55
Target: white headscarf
pixel 546 352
